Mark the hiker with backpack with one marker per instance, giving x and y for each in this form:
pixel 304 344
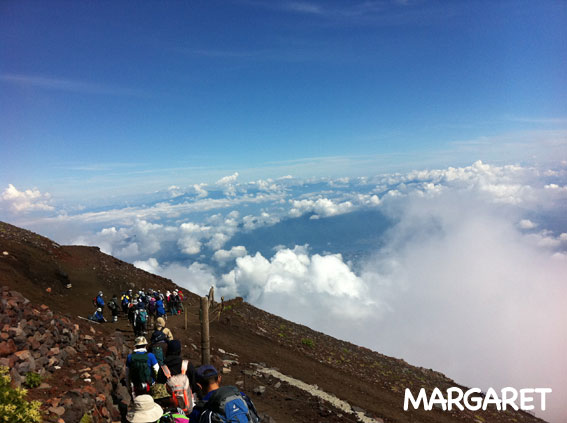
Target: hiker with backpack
pixel 140 320
pixel 160 326
pixel 152 311
pixel 113 307
pixel 125 300
pixel 141 368
pixel 167 301
pixel 220 404
pixel 178 375
pixel 174 303
pixel 160 309
pixel 180 295
pixel 159 340
pixel 98 301
pixel 132 307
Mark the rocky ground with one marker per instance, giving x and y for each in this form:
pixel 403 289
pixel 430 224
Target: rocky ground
pixel 244 340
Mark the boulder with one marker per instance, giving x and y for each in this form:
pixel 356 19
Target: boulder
pixel 23 355
pixel 7 348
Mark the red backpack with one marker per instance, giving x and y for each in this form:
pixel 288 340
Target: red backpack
pixel 178 387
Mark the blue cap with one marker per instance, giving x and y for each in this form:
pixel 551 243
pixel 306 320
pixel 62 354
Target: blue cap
pixel 205 372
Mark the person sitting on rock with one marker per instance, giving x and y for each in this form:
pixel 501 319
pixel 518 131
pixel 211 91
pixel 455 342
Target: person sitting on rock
pixel 97 316
pixel 144 410
pixel 141 368
pixel 218 403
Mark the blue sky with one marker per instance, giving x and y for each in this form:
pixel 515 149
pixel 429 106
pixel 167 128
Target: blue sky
pixel 122 96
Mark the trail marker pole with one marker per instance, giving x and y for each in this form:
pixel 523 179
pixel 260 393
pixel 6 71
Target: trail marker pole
pixel 212 296
pixel 205 342
pixel 185 313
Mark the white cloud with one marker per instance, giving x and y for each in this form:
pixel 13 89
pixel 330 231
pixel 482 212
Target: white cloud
pixel 264 219
pixel 226 180
pixel 200 190
pixel 460 280
pixel 174 191
pixel 151 265
pixel 546 239
pixel 163 210
pixel 26 201
pixel 140 239
pixel 367 200
pixel 555 187
pixel 224 256
pixel 293 283
pixel 197 277
pixel 266 185
pixel 191 235
pixel 527 224
pixel 322 207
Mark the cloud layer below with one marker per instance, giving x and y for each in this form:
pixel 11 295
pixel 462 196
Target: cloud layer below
pixel 469 277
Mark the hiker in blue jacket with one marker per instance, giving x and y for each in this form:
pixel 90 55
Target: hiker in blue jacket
pixel 97 316
pixel 100 300
pixel 160 309
pixel 141 368
pixel 227 401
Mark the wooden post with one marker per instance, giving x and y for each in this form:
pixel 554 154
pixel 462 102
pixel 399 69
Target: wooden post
pixel 205 343
pixel 211 296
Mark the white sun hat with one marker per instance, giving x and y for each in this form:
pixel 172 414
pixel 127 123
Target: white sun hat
pixel 145 410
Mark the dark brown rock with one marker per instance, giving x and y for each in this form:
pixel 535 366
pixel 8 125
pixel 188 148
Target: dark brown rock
pixel 7 348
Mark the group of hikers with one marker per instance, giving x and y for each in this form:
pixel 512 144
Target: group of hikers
pixel 166 388
pixel 140 307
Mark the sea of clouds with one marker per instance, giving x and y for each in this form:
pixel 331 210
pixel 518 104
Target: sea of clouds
pixel 460 269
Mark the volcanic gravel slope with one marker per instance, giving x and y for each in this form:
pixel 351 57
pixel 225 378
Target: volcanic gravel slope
pixel 241 334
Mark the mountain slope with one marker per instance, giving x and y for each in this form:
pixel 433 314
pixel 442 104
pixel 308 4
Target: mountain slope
pixel 370 382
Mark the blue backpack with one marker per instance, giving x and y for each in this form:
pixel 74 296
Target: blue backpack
pixel 142 316
pixel 228 405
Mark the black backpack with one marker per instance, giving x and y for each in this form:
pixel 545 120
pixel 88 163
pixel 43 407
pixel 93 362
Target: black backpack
pixel 158 336
pixel 226 403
